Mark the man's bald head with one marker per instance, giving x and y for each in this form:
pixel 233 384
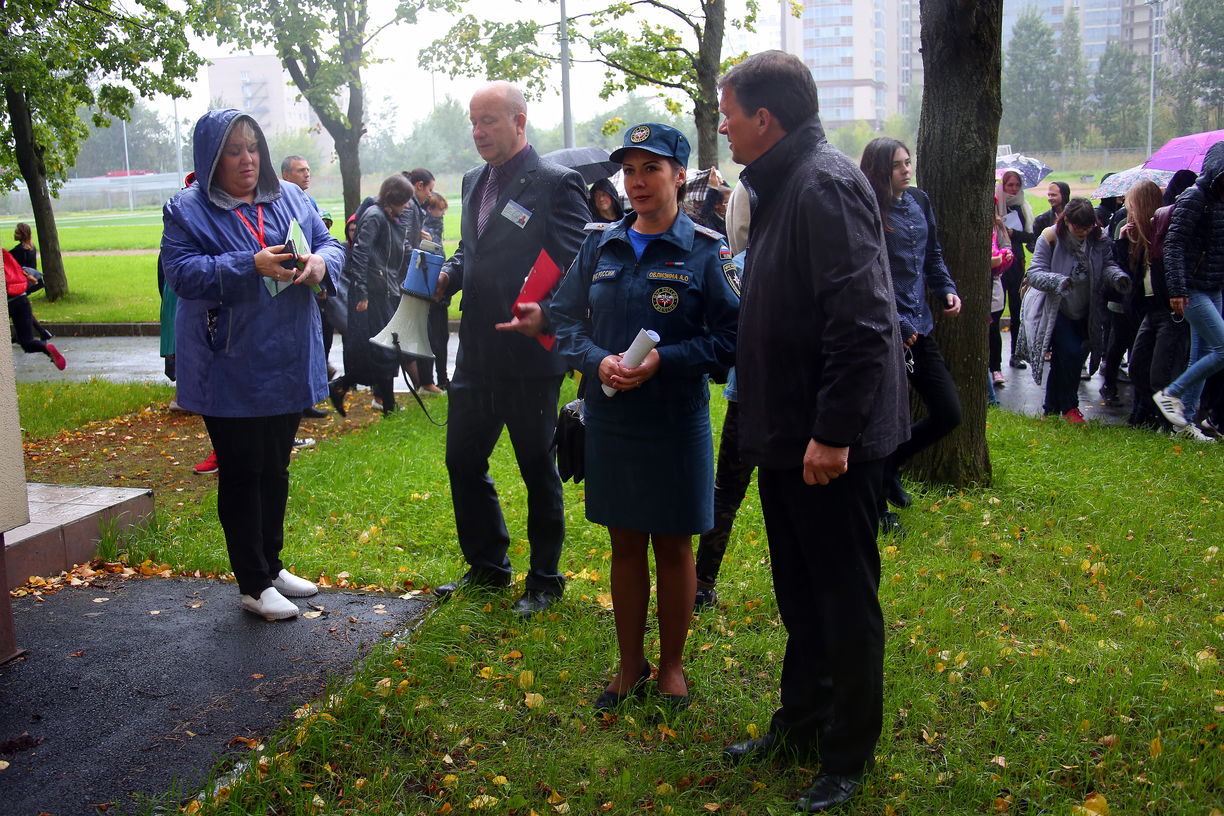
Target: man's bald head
pixel 498 113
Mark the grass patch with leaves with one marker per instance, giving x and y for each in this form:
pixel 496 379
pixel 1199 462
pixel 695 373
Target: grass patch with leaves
pixel 1052 637
pixel 47 408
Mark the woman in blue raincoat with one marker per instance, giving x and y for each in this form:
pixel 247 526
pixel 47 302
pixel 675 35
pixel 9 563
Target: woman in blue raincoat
pixel 249 342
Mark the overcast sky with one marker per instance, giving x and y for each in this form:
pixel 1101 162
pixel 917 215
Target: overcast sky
pixel 401 84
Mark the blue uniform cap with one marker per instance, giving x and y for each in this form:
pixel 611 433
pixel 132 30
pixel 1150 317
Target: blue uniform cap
pixel 655 138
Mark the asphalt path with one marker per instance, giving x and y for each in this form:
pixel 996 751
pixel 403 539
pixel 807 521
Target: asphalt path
pixel 131 688
pixel 135 359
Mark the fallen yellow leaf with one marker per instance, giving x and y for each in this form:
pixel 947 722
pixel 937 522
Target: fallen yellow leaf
pixel 526 679
pixel 500 780
pixel 533 700
pixel 450 781
pixel 555 798
pixel 663 790
pixel 482 801
pixel 1094 805
pixel 1156 749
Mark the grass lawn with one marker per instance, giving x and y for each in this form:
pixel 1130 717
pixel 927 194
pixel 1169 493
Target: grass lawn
pixel 104 289
pixel 1051 637
pixel 46 408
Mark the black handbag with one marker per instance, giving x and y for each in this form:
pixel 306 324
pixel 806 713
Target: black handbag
pixel 570 441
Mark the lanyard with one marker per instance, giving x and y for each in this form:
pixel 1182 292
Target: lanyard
pixel 259 236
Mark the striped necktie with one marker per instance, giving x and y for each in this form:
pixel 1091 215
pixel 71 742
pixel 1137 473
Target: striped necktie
pixel 488 199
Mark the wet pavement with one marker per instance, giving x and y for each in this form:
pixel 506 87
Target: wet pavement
pixel 135 359
pixel 132 359
pixel 130 688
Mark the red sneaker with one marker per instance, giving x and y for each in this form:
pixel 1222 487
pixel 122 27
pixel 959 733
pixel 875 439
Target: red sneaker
pixel 56 357
pixel 209 465
pixel 1075 416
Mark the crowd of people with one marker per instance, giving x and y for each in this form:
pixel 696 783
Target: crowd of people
pixel 816 309
pixel 1135 280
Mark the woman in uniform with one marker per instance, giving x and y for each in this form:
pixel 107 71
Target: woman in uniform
pixel 649 451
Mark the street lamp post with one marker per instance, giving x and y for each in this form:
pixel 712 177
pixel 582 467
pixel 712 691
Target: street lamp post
pixel 567 119
pixel 1154 6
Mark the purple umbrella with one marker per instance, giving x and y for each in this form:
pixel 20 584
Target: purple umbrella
pixel 1184 152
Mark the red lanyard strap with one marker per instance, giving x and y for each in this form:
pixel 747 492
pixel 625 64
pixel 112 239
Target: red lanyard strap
pixel 259 236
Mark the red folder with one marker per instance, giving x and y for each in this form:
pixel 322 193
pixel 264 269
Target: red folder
pixel 543 277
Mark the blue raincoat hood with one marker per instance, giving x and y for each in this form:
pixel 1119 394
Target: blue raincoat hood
pixel 211 132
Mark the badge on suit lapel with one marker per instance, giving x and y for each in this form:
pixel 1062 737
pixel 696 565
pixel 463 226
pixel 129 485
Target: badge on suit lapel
pixel 516 213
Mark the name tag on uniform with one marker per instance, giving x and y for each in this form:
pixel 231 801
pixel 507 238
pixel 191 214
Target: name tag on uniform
pixel 517 214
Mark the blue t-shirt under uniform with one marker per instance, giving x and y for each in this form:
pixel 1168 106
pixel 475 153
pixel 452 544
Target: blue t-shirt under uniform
pixel 639 240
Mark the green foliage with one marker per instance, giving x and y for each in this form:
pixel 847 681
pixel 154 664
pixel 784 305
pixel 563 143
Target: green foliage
pixel 1029 82
pixel 851 139
pixel 150 144
pixel 1070 83
pixel 59 57
pixel 1055 635
pixel 441 142
pixel 1119 97
pixel 47 408
pixel 642 43
pixel 1196 33
pixel 323 46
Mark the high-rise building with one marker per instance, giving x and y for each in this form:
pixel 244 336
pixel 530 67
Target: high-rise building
pixel 1129 22
pixel 260 86
pixel 864 56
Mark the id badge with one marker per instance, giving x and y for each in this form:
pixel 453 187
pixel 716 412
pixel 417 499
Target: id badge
pixel 516 214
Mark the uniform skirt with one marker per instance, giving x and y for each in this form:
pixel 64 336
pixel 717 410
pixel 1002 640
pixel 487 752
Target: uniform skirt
pixel 650 460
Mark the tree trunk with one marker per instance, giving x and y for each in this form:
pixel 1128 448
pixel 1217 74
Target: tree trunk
pixel 29 161
pixel 709 63
pixel 348 152
pixel 957 135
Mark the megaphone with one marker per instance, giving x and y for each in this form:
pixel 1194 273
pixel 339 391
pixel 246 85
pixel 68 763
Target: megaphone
pixel 408 329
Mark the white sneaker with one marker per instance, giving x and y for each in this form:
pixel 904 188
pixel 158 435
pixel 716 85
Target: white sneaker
pixel 1193 433
pixel 1172 408
pixel 300 442
pixel 292 586
pixel 270 604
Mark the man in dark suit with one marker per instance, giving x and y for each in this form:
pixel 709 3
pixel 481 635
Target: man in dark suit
pixel 514 206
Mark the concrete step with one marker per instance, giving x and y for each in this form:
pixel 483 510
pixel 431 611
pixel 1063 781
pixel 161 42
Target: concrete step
pixel 66 524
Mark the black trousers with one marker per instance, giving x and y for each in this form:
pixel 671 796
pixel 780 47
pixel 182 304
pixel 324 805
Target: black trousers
pixel 22 313
pixel 438 331
pixel 731 480
pixel 826 572
pixel 1068 351
pixel 252 491
pixel 479 410
pixel 995 361
pixel 1158 357
pixel 1122 331
pixel 934 384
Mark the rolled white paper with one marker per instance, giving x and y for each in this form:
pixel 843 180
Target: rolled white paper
pixel 638 349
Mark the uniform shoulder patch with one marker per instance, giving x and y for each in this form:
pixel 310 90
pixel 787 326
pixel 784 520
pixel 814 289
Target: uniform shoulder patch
pixel 709 233
pixel 597 226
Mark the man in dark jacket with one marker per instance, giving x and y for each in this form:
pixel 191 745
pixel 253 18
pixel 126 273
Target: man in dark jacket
pixel 514 206
pixel 822 402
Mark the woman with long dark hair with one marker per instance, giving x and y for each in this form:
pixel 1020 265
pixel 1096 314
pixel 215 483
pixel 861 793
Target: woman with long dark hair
pixel 917 264
pixel 1072 265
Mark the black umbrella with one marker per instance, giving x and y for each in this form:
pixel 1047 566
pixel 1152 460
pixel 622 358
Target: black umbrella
pixel 592 163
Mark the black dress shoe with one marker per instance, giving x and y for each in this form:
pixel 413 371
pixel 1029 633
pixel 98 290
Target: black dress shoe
pixel 608 700
pixel 314 413
pixel 532 602
pixel 897 495
pixel 1019 365
pixel 827 792
pixel 760 747
pixel 705 599
pixel 890 524
pixel 336 392
pixel 446 590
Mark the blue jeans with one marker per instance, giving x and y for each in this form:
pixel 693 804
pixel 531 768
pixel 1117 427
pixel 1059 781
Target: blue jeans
pixel 1206 348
